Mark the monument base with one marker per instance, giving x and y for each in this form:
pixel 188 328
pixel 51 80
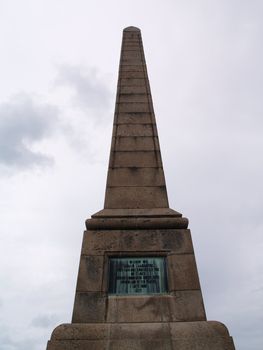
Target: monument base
pixel 200 335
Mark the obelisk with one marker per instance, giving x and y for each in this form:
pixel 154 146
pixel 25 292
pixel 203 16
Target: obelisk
pixel 138 285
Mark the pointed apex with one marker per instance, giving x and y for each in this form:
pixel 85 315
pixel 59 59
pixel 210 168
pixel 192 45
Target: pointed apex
pixel 135 174
pixel 131 29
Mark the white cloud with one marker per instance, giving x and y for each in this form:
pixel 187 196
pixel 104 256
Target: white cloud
pixel 90 90
pixel 24 122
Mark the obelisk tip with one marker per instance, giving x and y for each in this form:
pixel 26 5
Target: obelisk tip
pixel 131 29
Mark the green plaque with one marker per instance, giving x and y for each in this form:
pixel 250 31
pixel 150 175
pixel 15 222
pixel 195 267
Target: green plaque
pixel 137 275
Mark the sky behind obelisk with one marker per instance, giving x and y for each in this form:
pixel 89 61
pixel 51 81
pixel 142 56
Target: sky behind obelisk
pixel 59 65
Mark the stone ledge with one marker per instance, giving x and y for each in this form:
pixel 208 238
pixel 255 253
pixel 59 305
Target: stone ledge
pixel 201 335
pixel 155 212
pixel 96 331
pixel 136 223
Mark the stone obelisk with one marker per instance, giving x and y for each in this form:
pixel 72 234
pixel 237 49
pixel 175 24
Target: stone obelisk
pixel 138 285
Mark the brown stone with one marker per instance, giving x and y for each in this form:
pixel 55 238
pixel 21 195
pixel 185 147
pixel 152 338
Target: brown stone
pixel 136 143
pixel 132 82
pixel 132 74
pixel 136 107
pixel 90 273
pixel 148 159
pixel 182 306
pixel 133 67
pixel 136 197
pixel 136 130
pixel 136 177
pixel 182 272
pixel 136 89
pixel 135 118
pixel 142 336
pixel 167 240
pixel 89 307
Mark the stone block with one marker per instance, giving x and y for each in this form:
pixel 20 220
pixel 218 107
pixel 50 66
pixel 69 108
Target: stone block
pixel 202 329
pixel 176 241
pixel 136 130
pixel 135 118
pixel 137 213
pixel 132 68
pixel 133 74
pixel 187 305
pixel 203 344
pixel 182 272
pixel 130 53
pixel 136 143
pixel 81 331
pixel 139 159
pixel 133 97
pixel 89 307
pixel 136 177
pixel 90 274
pixel 132 46
pixel 78 345
pixel 182 306
pixel 136 197
pixel 131 37
pixel 139 330
pixel 136 223
pixel 134 107
pixel 200 335
pixel 132 60
pixel 129 241
pixel 137 89
pixel 135 344
pixel 132 82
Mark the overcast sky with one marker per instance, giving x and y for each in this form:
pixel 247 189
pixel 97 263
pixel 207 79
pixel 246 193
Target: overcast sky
pixel 59 64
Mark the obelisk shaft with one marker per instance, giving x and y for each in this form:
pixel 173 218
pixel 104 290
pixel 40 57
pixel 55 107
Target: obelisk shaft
pixel 135 174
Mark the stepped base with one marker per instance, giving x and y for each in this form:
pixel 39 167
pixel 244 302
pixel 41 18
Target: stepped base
pixel 201 335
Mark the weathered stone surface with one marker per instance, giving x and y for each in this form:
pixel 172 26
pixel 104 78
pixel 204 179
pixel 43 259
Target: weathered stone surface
pixel 136 130
pixel 142 336
pixel 136 197
pixel 131 54
pixel 90 274
pixel 82 331
pixel 133 67
pixel 89 307
pixel 132 74
pixel 102 331
pixel 136 177
pixel 136 223
pixel 78 345
pixel 173 241
pixel 137 89
pixel 134 106
pixel 135 118
pixel 132 82
pixel 203 344
pixel 182 272
pixel 134 344
pixel 182 306
pixel 135 143
pixel 138 159
pixel 150 213
pixel 141 330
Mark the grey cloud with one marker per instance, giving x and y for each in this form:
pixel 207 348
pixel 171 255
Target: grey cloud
pixel 23 122
pixel 90 90
pixel 44 321
pixel 8 343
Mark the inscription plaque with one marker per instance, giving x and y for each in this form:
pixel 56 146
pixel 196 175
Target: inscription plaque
pixel 137 275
